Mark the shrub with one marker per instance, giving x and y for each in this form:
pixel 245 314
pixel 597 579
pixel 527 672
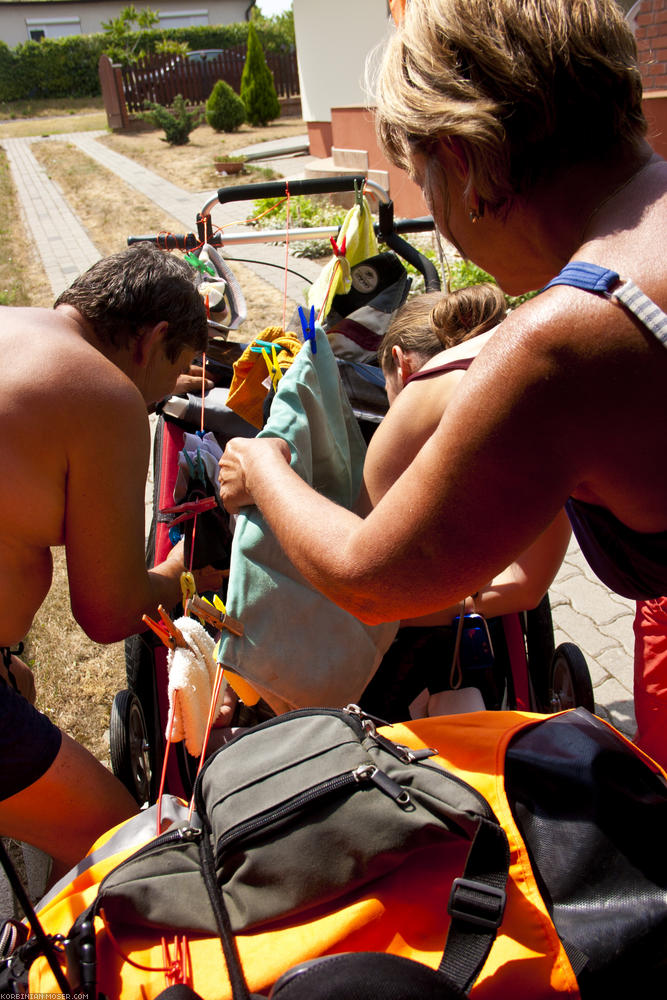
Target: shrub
pixel 257 90
pixel 177 123
pixel 225 110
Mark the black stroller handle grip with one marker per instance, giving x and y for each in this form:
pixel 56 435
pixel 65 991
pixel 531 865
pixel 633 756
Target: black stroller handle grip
pixel 278 189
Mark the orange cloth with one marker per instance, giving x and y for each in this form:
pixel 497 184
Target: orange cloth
pixel 248 389
pixel 402 913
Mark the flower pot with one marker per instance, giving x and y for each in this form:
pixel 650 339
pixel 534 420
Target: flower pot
pixel 229 166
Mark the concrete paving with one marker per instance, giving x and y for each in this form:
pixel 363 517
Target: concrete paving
pixel 585 612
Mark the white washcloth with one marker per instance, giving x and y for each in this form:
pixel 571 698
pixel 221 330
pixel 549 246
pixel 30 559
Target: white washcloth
pixel 192 675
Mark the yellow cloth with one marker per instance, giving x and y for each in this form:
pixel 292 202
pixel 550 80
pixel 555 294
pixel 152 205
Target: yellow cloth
pixel 248 389
pixel 360 244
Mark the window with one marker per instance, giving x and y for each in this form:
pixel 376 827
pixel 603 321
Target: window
pixel 182 18
pixel 52 27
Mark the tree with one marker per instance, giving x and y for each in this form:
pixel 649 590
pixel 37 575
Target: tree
pixel 177 123
pixel 225 110
pixel 120 32
pixel 257 90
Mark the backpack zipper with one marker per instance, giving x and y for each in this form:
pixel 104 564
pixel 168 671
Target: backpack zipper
pixel 365 773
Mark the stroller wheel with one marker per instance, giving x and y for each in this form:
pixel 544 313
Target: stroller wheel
pixel 128 744
pixel 569 680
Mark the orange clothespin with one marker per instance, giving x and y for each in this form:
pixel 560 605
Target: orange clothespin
pixel 217 617
pixel 168 634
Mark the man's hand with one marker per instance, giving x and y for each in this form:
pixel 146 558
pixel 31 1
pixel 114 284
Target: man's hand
pixel 191 381
pixel 239 458
pixel 227 709
pixel 23 676
pixel 209 578
pixel 206 578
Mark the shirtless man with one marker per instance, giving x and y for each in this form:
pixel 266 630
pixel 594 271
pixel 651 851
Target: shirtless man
pixel 75 450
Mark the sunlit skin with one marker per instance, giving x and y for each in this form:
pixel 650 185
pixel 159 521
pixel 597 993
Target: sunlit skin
pixel 549 409
pixel 75 447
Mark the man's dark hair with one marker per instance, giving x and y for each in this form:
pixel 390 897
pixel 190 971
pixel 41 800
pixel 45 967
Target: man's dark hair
pixel 139 287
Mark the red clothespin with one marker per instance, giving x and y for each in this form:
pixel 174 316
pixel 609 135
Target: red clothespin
pixel 176 967
pixel 339 251
pixel 189 509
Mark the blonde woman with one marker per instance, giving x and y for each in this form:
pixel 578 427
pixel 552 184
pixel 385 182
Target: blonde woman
pixel 522 121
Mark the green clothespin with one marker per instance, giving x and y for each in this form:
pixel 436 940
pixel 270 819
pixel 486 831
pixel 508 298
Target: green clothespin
pixel 200 265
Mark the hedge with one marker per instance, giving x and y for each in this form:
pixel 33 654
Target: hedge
pixel 67 67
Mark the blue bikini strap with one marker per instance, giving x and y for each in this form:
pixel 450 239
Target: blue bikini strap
pixel 592 278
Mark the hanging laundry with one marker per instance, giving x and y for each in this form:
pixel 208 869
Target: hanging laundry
pixel 357 237
pixel 192 671
pixel 251 382
pixel 298 648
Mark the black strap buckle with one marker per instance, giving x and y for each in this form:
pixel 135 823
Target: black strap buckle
pixel 477 903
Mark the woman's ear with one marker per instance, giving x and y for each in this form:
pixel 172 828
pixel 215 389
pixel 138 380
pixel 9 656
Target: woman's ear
pixel 403 363
pixel 149 339
pixel 452 156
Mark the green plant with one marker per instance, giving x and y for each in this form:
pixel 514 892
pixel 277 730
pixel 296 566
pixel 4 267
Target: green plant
pixel 257 90
pixel 228 158
pixel 177 123
pixel 225 111
pixel 304 213
pixel 122 40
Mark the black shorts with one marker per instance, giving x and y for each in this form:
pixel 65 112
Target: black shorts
pixel 29 742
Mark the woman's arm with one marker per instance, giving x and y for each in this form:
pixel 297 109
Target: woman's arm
pixel 520 587
pixel 523 429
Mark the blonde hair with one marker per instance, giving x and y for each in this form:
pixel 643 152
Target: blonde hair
pixel 434 322
pixel 526 87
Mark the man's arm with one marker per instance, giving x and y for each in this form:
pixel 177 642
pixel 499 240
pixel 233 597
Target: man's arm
pixel 110 586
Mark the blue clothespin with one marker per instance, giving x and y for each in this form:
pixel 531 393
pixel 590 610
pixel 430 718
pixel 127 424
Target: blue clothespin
pixel 309 327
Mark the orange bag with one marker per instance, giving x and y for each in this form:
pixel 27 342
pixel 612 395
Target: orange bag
pixel 402 912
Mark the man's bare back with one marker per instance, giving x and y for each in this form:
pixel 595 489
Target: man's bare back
pixel 75 450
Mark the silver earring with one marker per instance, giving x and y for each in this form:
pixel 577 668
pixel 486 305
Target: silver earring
pixel 474 216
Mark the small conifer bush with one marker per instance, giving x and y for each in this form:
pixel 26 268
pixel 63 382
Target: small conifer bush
pixel 257 90
pixel 225 111
pixel 177 123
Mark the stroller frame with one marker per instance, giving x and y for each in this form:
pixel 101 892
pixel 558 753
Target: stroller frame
pixel 539 676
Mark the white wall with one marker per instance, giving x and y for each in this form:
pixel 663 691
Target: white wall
pixel 80 18
pixel 333 38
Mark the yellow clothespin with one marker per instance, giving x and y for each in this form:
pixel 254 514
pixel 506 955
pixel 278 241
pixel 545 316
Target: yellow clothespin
pixel 275 371
pixel 188 590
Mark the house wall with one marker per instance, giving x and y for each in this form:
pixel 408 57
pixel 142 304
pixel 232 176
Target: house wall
pixel 333 39
pixel 649 22
pixel 85 17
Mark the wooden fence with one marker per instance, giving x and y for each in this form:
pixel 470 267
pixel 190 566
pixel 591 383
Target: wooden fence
pixel 160 78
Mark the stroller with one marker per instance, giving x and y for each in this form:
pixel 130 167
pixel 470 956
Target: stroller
pixel 513 660
pixel 404 913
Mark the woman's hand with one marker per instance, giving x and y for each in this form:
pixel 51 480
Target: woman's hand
pixel 239 459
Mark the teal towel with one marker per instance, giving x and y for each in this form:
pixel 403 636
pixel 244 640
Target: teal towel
pixel 299 649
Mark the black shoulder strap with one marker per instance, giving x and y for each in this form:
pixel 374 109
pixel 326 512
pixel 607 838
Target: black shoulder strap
pixel 476 906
